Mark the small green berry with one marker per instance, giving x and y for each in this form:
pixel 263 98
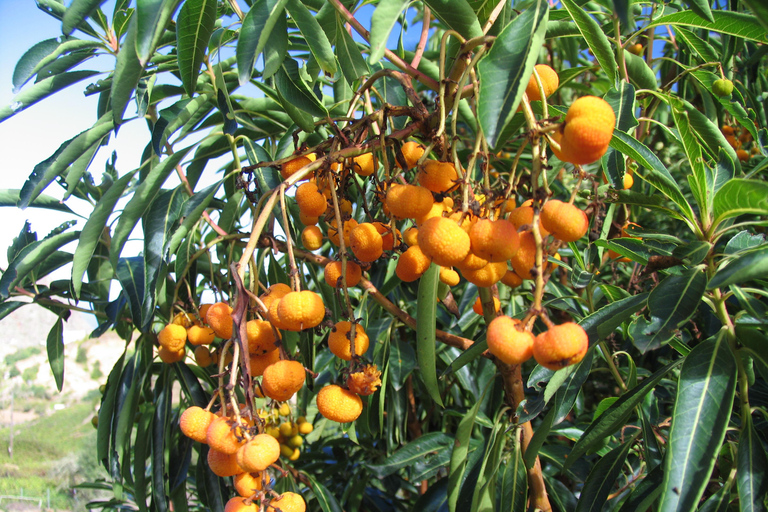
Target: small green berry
pixel 722 87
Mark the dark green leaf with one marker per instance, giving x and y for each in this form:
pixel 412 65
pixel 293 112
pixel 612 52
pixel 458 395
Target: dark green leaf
pixel 193 31
pixel 726 22
pixel 402 361
pixel 745 267
pixel 193 211
pixel 313 35
pixel 41 58
pixel 506 70
pixel 77 12
pixel 646 492
pixel 324 498
pixel 256 31
pixel 107 411
pixel 705 395
pixel 692 253
pixel 741 197
pixel 55 346
pixel 12 197
pixel 513 483
pixel 602 322
pixel 704 50
pixel 128 70
pixel 130 273
pixel 8 307
pixel 595 38
pixel 459 455
pixel 760 10
pixel 57 9
pixel 153 17
pixel 752 466
pixel 457 15
pixel 719 501
pixel 410 453
pixel 42 90
pixel 426 310
pixel 353 64
pixel 602 479
pixel 291 87
pixel 383 20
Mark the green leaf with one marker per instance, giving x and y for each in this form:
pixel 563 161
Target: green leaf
pixel 256 31
pixel 57 9
pixel 42 90
pixel 324 498
pixel 613 418
pixel 313 35
pixel 640 74
pixel 9 306
pixel 752 469
pixel 692 148
pixel 152 18
pixel 670 305
pixel 459 455
pixel 702 48
pixel 353 64
pixel 539 436
pixel 513 483
pixel 12 197
pixel 457 15
pixel 702 8
pixel 412 452
pixel 292 88
pixel 77 12
pixel 740 197
pixel 622 100
pixel 178 115
pixel 595 38
pixel 383 21
pixel 426 311
pixel 193 211
pixel 705 394
pixel 277 49
pixel 719 501
pixel 745 267
pixel 645 493
pixel 193 31
pixel 726 22
pixel 128 70
pixel 760 10
pixel 29 258
pixel 44 54
pixel 602 322
pixel 603 478
pixel 402 361
pixel 130 273
pixel 505 71
pixel 55 346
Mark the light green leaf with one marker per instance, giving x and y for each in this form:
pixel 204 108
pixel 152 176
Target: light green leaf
pixel 426 311
pixel 702 48
pixel 702 8
pixel 705 394
pixel 42 90
pixel 383 21
pixel 256 31
pixel 44 54
pixel 640 74
pixel 760 10
pixel 697 179
pixel 457 15
pixel 353 64
pixel 12 197
pixel 193 31
pixel 77 12
pixel 153 17
pixel 726 22
pixel 602 478
pixel 745 267
pixel 313 35
pixel 57 9
pixel 506 70
pixel 595 38
pixel 128 70
pixel 740 197
pixel 55 348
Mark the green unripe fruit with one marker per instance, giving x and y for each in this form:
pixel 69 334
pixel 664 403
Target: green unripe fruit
pixel 722 87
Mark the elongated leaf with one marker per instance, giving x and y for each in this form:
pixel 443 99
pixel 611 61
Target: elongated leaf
pixel 513 483
pixel 411 453
pixel 705 395
pixel 426 310
pixel 57 9
pixel 505 71
pixel 128 70
pixel 130 273
pixel 726 22
pixel 324 497
pixel 77 13
pixel 353 64
pixel 457 15
pixel 42 90
pixel 602 479
pixel 9 306
pixel 402 361
pixel 193 31
pixel 176 116
pixel 704 50
pixel 602 322
pixel 12 197
pixel 645 493
pixel 289 84
pixel 622 100
pixel 752 470
pixel 153 17
pixel 640 74
pixel 613 418
pixel 382 21
pixel 459 455
pixel 760 10
pixel 193 210
pixel 741 197
pixel 747 266
pixel 55 345
pixel 595 38
pixel 257 27
pixel 94 230
pixel 44 54
pixel 313 35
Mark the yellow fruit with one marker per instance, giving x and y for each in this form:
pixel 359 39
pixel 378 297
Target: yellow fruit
pixel 261 337
pixel 412 264
pixel 246 484
pixel 333 233
pixel 260 452
pixel 629 180
pixel 287 502
pixel 366 242
pixel 290 167
pixel 284 410
pixel 511 279
pixel 486 276
pixel 549 81
pixel 444 241
pixel 306 428
pixel 338 404
pixel 311 202
pixel 437 176
pixel 172 337
pixel 312 238
pixel 219 317
pixel 301 310
pixel 223 464
pixel 508 341
pixel 339 341
pixel 449 276
pixel 182 319
pixel 636 48
pixel 170 356
pixel 472 262
pixel 587 130
pixel 286 451
pixel 477 307
pixel 495 240
pixel 287 430
pixel 363 164
pixel 194 423
pixel 332 273
pixel 295 441
pixel 560 346
pixel 224 436
pixel 200 335
pixel 412 151
pixel 283 379
pixel 364 382
pixel 564 221
pixel 273 316
pixel 408 201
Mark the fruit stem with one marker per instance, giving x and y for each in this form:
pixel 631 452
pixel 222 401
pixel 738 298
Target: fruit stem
pixel 294 273
pixel 343 253
pixel 605 351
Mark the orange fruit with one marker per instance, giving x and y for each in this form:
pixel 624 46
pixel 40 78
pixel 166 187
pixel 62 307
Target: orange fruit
pixel 525 258
pixel 260 452
pixel 410 236
pixel 511 279
pixel 437 210
pixel 508 341
pixel 564 221
pixel 523 216
pixel 219 317
pixel 472 262
pixel 203 356
pixel 172 337
pixel 412 151
pixel 222 435
pixel 311 202
pixel 203 310
pixel 742 155
pixel 246 484
pixel 487 276
pixel 437 176
pixel 494 240
pixel 339 340
pixel 283 379
pixel 338 404
pixel 308 220
pixel 364 382
pixel 170 356
pixel 366 242
pixel 182 319
pixel 274 293
pixel 332 273
pixel 387 236
pixel 412 264
pixel 259 363
pixel 223 464
pixel 291 166
pixel 363 164
pixel 449 276
pixel 549 81
pixel 477 307
pixel 287 502
pixel 194 423
pixel 261 337
pixel 628 180
pixel 200 335
pixel 333 232
pixel 312 238
pixel 560 346
pixel 636 48
pixel 408 201
pixel 587 130
pixel 444 241
pixel 301 310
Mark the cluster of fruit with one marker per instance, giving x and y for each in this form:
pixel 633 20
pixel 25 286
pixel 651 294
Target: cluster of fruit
pixel 740 140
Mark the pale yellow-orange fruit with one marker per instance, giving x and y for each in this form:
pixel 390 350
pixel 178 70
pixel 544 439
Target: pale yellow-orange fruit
pixel 200 335
pixel 259 363
pixel 410 236
pixel 283 379
pixel 449 276
pixel 560 346
pixel 261 337
pixel 564 221
pixel 437 210
pixel 312 238
pixel 437 176
pixel 203 356
pixel 587 131
pixel 549 81
pixel 508 341
pixel 412 264
pixel 172 337
pixel 363 383
pixel 363 164
pixel 311 202
pixel 412 151
pixel 333 232
pixel 486 276
pixel 444 241
pixel 223 464
pixel 366 242
pixel 332 273
pixel 387 236
pixel 301 310
pixel 290 167
pixel 472 262
pixel 246 484
pixel 219 317
pixel 408 201
pixel 339 340
pixel 224 436
pixel 338 404
pixel 274 293
pixel 525 257
pixel 170 356
pixel 260 452
pixel 238 504
pixel 183 319
pixel 494 240
pixel 194 423
pixel 287 502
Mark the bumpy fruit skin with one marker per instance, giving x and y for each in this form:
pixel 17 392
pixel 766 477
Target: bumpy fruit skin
pixel 494 240
pixel 290 167
pixel 408 201
pixel 301 310
pixel 511 279
pixel 311 202
pixel 287 502
pixel 203 356
pixel 312 238
pixel 170 356
pixel 194 423
pixel 223 464
pixel 222 436
pixel 549 80
pixel 363 164
pixel 332 273
pixel 237 504
pixel 486 276
pixel 560 346
pixel 200 335
pixel 333 232
pixel 366 242
pixel 172 337
pixel 411 236
pixel 219 317
pixel 412 264
pixel 507 342
pixel 387 236
pixel 449 276
pixel 444 241
pixel 247 483
pixel 525 258
pixel 523 216
pixel 338 340
pixel 261 337
pixel 437 176
pixel 412 151
pixel 283 379
pixel 260 452
pixel 363 383
pixel 338 404
pixel 722 87
pixel 587 131
pixel 564 221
